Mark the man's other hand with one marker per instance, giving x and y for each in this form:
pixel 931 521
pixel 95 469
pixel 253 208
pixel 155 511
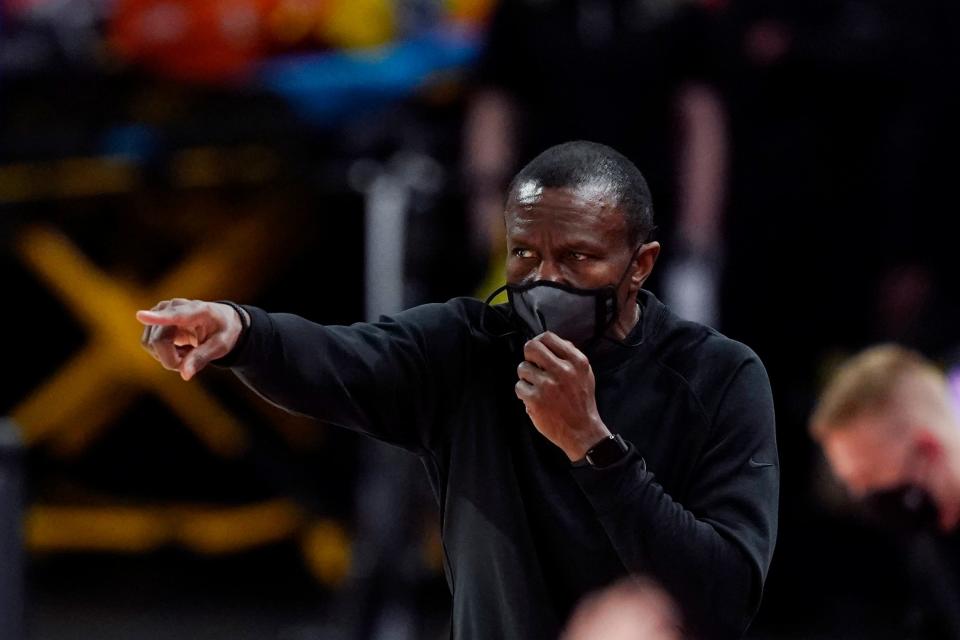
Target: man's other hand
pixel 558 389
pixel 185 335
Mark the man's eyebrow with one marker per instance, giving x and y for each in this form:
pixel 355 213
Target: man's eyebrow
pixel 584 244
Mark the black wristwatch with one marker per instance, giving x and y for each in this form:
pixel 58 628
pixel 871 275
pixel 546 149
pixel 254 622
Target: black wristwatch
pixel 608 451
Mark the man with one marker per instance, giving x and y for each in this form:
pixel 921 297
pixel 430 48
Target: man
pixel 889 427
pixel 579 434
pixel 648 75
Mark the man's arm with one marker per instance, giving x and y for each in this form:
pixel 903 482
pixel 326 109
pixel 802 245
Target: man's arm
pixel 392 379
pixel 712 552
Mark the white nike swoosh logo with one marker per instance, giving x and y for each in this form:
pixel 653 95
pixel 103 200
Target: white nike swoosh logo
pixel 759 465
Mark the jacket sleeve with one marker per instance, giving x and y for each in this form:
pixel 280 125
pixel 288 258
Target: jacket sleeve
pixel 712 553
pixel 392 380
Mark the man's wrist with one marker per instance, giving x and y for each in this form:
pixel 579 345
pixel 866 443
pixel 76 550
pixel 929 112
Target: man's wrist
pixel 585 440
pixel 244 317
pixel 607 452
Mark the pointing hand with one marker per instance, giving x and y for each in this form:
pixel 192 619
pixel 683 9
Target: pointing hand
pixel 185 335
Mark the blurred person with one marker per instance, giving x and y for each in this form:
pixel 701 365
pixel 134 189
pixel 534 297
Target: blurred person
pixel 579 433
pixel 885 67
pixel 889 426
pixel 629 610
pixel 837 110
pixel 640 75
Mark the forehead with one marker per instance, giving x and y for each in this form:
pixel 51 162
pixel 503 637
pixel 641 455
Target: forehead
pixel 591 208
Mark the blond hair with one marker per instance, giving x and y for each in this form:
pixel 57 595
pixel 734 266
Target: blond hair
pixel 885 379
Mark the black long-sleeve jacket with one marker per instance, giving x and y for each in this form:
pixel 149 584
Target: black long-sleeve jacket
pixel 525 533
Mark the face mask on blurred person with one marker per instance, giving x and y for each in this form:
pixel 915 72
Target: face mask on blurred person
pixel 907 507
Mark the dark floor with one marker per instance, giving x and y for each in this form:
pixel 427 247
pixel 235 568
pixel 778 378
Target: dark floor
pixel 267 594
pixel 174 595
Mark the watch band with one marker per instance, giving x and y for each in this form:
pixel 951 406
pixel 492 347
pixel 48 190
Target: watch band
pixel 227 359
pixel 608 451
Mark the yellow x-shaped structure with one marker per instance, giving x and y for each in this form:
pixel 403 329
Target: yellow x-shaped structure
pixel 92 389
pixel 99 383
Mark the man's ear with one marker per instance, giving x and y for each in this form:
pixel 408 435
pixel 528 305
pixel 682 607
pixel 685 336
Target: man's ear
pixel 643 263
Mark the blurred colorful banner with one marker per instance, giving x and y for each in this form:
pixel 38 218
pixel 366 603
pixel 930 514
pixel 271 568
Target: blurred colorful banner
pixel 327 57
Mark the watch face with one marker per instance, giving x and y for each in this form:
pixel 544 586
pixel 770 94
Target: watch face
pixel 607 451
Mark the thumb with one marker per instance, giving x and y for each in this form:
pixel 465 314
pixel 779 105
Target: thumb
pixel 199 357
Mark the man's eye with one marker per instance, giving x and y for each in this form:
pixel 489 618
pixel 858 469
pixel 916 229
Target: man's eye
pixel 520 252
pixel 576 256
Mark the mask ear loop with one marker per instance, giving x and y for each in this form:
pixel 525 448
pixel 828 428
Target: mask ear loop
pixel 639 340
pixel 636 342
pixel 487 307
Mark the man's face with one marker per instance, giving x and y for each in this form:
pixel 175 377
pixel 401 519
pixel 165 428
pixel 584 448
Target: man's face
pixel 576 237
pixel 867 456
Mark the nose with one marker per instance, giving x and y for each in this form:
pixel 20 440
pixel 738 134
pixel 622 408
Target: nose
pixel 548 270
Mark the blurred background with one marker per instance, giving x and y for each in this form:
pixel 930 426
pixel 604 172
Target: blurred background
pixel 346 158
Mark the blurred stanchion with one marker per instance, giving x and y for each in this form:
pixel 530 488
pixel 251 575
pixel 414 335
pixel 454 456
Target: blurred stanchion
pixel 389 192
pixel 381 588
pixel 11 536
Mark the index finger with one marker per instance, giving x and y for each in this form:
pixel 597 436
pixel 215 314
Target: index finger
pixel 563 349
pixel 538 353
pixel 166 317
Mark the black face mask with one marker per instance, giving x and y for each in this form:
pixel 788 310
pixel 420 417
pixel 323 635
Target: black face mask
pixel 581 316
pixel 907 507
pixel 577 315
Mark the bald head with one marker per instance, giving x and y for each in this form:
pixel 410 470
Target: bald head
pixel 594 169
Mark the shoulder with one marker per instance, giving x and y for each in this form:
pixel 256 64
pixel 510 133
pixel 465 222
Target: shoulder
pixel 691 348
pixel 688 347
pixel 705 360
pixel 455 310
